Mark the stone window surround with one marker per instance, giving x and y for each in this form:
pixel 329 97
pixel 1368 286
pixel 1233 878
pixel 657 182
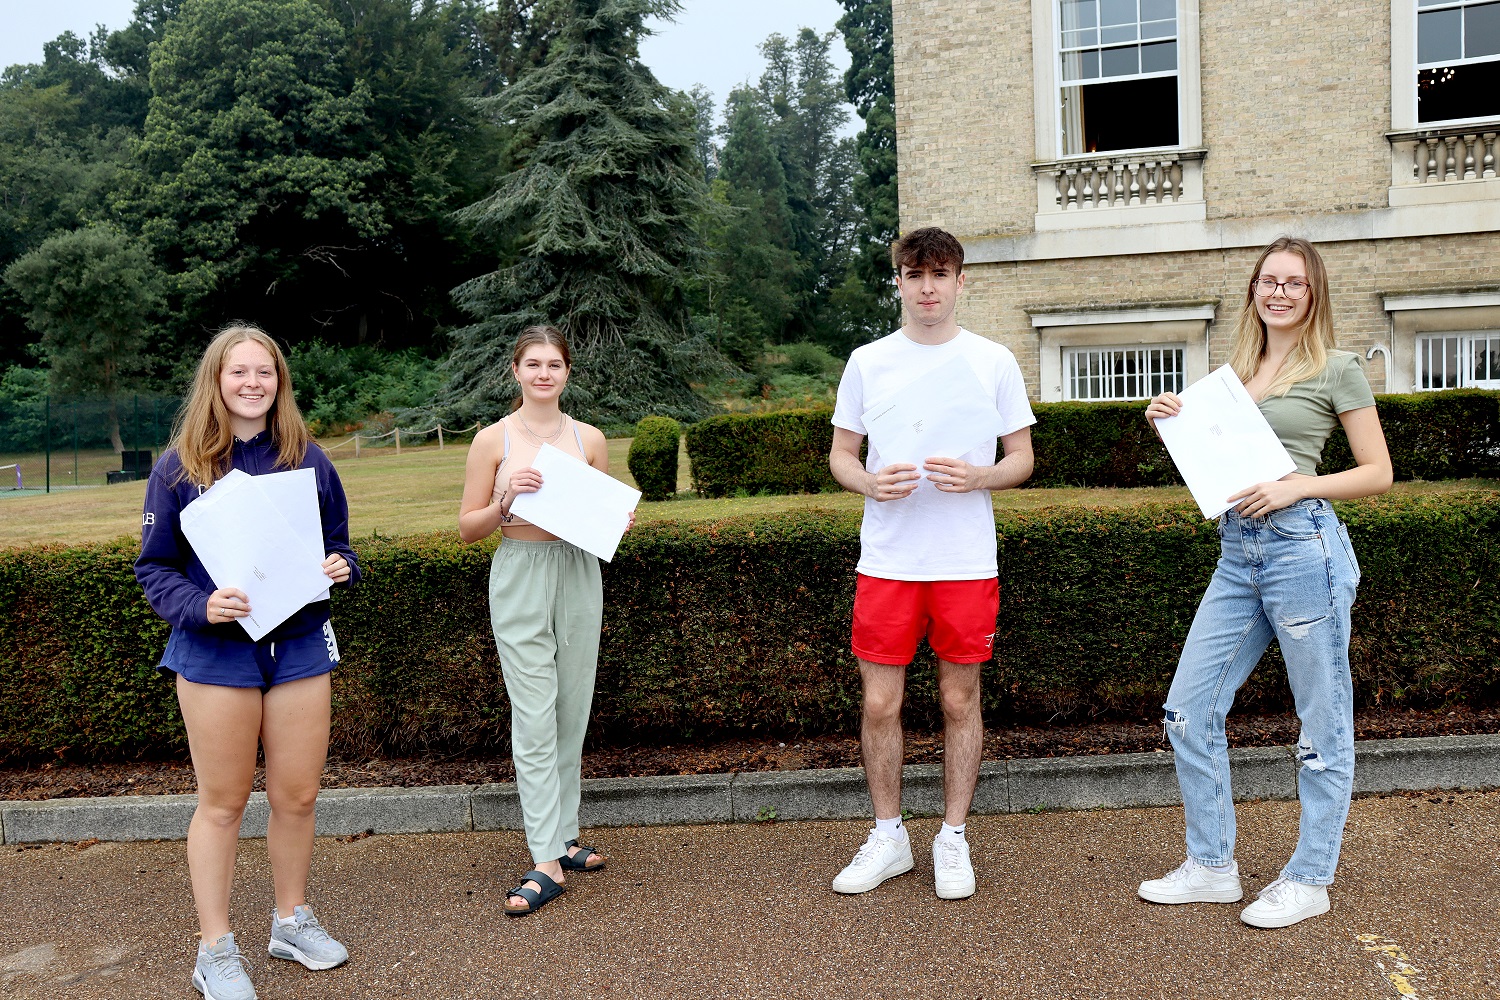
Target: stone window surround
pixel 1415 313
pixel 1406 131
pixel 1163 324
pixel 1404 68
pixel 1046 37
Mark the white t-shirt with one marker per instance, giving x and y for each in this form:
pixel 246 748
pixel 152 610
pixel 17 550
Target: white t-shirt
pixel 930 535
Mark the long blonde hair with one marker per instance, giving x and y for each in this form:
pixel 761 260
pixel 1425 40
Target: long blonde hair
pixel 1310 357
pixel 202 435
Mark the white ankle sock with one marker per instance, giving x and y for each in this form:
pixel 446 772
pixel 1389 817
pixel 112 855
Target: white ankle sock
pixel 286 921
pixel 953 832
pixel 890 828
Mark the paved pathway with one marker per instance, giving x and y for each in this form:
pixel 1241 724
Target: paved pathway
pixel 726 911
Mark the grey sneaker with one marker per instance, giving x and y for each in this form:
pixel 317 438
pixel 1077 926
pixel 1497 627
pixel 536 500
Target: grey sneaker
pixel 221 972
pixel 305 941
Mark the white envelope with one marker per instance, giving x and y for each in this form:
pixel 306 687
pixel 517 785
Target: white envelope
pixel 945 413
pixel 244 541
pixel 295 494
pixel 577 503
pixel 1221 443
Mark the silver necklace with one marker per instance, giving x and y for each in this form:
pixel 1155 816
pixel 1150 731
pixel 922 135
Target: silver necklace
pixel 537 437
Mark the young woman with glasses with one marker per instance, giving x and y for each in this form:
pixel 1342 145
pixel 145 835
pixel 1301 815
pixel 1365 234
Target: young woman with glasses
pixel 1286 571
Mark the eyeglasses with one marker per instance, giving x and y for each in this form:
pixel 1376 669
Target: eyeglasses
pixel 1294 288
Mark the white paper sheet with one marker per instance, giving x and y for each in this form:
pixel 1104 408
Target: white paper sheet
pixel 945 413
pixel 244 541
pixel 295 495
pixel 577 503
pixel 1221 442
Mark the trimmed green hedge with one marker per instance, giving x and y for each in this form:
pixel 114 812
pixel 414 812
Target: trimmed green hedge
pixel 653 457
pixel 741 627
pixel 1453 434
pixel 781 452
pixel 1432 435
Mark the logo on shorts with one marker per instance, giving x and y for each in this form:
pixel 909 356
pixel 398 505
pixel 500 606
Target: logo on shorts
pixel 917 426
pixel 148 519
pixel 333 644
pixel 989 641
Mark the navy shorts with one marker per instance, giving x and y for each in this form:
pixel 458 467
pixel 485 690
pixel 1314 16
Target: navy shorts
pixel 208 659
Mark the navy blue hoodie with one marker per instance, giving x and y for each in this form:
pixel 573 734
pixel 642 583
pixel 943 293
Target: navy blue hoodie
pixel 177 585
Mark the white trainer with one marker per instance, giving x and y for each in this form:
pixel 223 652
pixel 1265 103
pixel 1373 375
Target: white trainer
pixel 1193 883
pixel 880 858
pixel 952 872
pixel 1284 902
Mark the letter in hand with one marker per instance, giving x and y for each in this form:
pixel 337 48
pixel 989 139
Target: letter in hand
pixel 895 481
pixel 951 475
pixel 1168 404
pixel 526 480
pixel 226 604
pixel 336 567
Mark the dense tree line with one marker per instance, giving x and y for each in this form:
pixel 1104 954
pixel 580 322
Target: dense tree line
pixel 419 179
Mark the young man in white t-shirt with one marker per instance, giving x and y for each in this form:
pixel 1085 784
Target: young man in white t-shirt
pixel 927 557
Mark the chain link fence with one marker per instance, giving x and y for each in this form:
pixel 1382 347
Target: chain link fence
pixel 53 443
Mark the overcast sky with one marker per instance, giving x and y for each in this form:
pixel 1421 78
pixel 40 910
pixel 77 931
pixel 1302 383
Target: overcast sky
pixel 713 42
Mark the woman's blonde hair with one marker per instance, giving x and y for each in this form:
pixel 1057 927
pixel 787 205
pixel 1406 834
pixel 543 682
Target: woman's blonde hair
pixel 202 435
pixel 1310 357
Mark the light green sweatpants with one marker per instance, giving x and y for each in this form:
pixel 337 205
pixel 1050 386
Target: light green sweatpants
pixel 546 605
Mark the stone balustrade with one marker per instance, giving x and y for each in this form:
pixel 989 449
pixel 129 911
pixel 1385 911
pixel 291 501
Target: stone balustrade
pixel 1119 181
pixel 1435 156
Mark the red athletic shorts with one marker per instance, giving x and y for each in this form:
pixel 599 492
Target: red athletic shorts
pixel 956 616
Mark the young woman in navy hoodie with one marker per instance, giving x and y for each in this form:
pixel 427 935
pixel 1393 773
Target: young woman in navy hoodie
pixel 235 693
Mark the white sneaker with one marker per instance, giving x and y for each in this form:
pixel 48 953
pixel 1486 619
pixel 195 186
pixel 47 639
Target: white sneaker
pixel 1284 902
pixel 952 873
pixel 880 858
pixel 1193 883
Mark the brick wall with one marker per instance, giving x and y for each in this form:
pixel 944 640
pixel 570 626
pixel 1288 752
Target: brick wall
pixel 1296 104
pixel 1296 99
pixel 964 127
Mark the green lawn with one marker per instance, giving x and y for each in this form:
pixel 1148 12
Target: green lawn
pixel 419 491
pixel 416 491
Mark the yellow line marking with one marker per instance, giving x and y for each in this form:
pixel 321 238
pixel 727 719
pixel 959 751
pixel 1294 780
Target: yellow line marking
pixel 1404 972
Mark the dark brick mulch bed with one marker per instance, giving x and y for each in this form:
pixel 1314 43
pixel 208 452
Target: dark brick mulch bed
pixel 64 779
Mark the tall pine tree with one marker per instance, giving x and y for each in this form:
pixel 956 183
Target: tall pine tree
pixel 870 84
pixel 600 218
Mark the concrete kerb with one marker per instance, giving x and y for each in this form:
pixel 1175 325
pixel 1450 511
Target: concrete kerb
pixel 1109 781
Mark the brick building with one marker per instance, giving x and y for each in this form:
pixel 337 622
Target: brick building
pixel 1113 168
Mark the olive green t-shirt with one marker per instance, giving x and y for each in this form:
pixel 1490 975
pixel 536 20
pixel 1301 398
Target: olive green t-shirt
pixel 1309 412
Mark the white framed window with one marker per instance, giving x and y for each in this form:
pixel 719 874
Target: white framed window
pixel 1457 60
pixel 1122 373
pixel 1458 361
pixel 1117 64
pixel 1118 113
pixel 1441 340
pixel 1128 351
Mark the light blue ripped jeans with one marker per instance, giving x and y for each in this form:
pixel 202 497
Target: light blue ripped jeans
pixel 1290 575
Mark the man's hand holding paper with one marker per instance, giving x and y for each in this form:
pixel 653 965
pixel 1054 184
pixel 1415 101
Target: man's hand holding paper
pixel 930 422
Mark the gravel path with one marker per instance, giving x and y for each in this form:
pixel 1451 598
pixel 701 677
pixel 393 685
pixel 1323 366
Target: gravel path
pixel 744 911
